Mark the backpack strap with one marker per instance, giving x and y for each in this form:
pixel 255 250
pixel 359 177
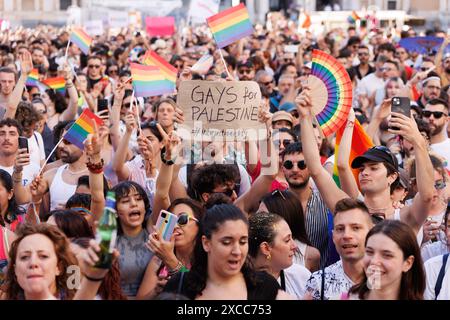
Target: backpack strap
pixel 437 288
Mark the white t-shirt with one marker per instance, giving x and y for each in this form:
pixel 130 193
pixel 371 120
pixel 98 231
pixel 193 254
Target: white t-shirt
pixel 443 149
pixel 432 268
pixel 433 249
pixel 29 172
pixel 36 148
pixel 295 278
pixel 369 84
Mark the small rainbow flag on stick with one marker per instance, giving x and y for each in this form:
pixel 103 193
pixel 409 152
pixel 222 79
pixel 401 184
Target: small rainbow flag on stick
pixel 84 125
pixel 361 142
pixel 353 17
pixel 58 84
pixel 148 81
pixel 33 78
pixel 230 25
pixel 151 58
pixel 81 39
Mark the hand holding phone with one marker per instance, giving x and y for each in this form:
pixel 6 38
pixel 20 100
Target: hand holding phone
pixel 23 143
pixel 400 105
pixel 165 224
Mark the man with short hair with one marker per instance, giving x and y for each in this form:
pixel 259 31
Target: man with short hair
pixel 373 81
pixel 436 115
pixel 363 68
pixel 7 84
pixel 352 222
pixel 246 70
pixel 285 85
pixel 431 89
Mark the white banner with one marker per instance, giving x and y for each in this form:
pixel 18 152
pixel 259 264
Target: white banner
pixel 94 27
pixel 202 9
pixel 118 19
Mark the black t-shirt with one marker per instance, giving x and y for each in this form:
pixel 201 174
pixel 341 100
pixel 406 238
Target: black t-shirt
pixel 265 286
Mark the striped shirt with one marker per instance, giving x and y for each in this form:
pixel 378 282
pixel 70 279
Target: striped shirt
pixel 317 224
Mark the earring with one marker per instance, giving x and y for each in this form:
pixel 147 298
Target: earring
pixel 268 257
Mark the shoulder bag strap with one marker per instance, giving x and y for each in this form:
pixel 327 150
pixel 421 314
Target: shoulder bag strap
pixel 437 288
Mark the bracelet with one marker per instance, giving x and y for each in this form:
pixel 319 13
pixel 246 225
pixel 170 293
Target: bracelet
pixel 163 158
pixel 93 279
pixel 176 269
pixel 95 167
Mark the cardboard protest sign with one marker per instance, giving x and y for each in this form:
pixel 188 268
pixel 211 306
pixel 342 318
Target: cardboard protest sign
pixel 160 26
pixel 221 110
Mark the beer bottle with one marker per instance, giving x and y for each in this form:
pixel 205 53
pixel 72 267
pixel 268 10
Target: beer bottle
pixel 107 232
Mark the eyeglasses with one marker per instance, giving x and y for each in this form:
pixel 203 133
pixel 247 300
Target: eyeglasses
pixel 385 69
pixel 285 142
pixel 113 71
pixel 436 114
pixel 247 71
pixel 127 105
pixel 288 164
pixel 424 69
pixel 287 60
pixel 439 185
pixel 96 66
pixel 183 219
pixel 67 142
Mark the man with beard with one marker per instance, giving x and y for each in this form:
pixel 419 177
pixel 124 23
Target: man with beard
pixel 9 151
pixel 59 182
pixel 352 222
pixel 436 115
pixel 431 89
pixel 246 70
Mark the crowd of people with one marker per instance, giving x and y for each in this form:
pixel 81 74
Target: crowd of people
pixel 244 230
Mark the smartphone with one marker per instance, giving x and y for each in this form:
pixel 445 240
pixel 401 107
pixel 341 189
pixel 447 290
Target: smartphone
pixel 23 143
pixel 401 105
pixel 102 104
pixel 166 224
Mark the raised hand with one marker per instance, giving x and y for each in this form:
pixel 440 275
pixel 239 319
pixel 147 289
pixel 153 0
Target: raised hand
pixel 37 188
pixel 22 160
pixel 384 110
pixel 130 121
pixel 407 127
pixel 88 257
pixel 26 62
pixel 303 102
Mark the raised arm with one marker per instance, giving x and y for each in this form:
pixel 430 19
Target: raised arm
pixel 440 54
pixel 416 214
pixel 346 178
pixel 380 113
pixel 324 182
pixel 114 118
pixel 26 65
pixel 119 167
pixel 71 112
pixel 21 192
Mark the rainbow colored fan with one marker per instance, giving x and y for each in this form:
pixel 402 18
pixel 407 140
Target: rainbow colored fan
pixel 331 92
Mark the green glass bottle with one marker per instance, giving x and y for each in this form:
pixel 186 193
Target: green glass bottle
pixel 107 232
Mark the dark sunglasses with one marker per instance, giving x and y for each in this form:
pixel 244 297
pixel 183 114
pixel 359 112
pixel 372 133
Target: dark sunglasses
pixel 285 142
pixel 113 71
pixel 229 192
pixel 267 83
pixel 363 54
pixel 436 114
pixel 247 71
pixel 127 105
pixel 97 66
pixel 183 219
pixel 288 164
pixel 439 185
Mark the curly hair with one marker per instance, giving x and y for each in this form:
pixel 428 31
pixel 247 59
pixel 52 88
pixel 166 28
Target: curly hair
pixel 262 229
pixel 58 99
pixel 62 250
pixel 26 115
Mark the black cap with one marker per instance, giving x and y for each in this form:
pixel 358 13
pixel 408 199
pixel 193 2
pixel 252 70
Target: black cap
pixel 376 154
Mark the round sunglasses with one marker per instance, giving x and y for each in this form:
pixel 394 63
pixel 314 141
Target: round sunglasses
pixel 288 164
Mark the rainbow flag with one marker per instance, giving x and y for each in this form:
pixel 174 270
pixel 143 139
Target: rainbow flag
pixel 58 84
pixel 33 78
pixel 230 25
pixel 151 58
pixel 81 39
pixel 148 81
pixel 353 17
pixel 361 142
pixel 84 125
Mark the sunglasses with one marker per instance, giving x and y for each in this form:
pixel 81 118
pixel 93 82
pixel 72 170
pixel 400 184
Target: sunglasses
pixel 288 164
pixel 285 142
pixel 363 54
pixel 377 217
pixel 267 83
pixel 439 185
pixel 96 66
pixel 229 192
pixel 436 114
pixel 113 71
pixel 127 105
pixel 247 71
pixel 424 69
pixel 183 219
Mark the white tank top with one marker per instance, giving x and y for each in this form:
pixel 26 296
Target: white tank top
pixel 60 191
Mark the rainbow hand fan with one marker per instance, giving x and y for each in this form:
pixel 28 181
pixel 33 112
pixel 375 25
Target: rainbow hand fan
pixel 331 92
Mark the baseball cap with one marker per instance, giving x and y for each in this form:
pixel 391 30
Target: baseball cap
pixel 376 154
pixel 282 115
pixel 288 107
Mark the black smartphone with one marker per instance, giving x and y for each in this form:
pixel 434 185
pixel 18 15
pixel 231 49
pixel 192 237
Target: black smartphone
pixel 102 104
pixel 23 143
pixel 401 105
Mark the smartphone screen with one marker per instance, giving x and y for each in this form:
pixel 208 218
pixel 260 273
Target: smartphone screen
pixel 102 104
pixel 23 143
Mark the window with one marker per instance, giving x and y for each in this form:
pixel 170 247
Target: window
pixel 392 5
pixel 64 4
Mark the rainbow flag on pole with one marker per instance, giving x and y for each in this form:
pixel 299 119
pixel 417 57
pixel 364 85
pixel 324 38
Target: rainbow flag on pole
pixel 148 81
pixel 81 39
pixel 151 58
pixel 353 17
pixel 84 125
pixel 58 84
pixel 361 142
pixel 230 25
pixel 33 78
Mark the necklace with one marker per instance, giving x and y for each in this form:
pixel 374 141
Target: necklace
pixel 75 172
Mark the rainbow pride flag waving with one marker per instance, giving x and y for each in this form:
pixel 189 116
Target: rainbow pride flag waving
pixel 33 78
pixel 353 17
pixel 80 130
pixel 148 81
pixel 58 84
pixel 81 39
pixel 230 25
pixel 151 58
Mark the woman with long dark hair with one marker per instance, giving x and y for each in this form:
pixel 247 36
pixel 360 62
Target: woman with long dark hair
pixel 220 269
